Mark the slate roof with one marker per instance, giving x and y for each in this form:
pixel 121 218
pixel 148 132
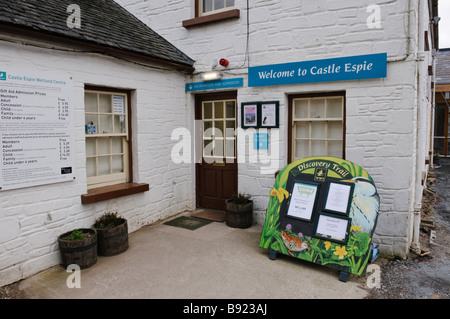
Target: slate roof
pixel 103 22
pixel 443 66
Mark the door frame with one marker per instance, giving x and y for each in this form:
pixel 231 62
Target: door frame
pixel 199 99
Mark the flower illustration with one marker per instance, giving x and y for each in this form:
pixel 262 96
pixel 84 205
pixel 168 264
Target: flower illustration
pixel 355 228
pixel 300 235
pixel 327 245
pixel 341 252
pixel 289 226
pixel 281 193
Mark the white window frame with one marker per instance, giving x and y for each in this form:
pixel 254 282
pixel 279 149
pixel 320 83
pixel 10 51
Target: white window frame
pixel 218 139
pixel 313 118
pixel 112 178
pixel 201 13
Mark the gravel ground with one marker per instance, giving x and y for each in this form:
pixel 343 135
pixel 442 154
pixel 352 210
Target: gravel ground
pixel 428 276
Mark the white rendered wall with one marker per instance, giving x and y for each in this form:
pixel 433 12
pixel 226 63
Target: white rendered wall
pixel 32 218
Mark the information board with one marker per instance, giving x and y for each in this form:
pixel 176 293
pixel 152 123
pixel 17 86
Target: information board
pixel 36 128
pixel 323 210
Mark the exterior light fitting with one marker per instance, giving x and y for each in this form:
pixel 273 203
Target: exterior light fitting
pixel 212 75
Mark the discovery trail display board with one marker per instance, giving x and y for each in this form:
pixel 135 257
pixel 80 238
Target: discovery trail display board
pixel 323 210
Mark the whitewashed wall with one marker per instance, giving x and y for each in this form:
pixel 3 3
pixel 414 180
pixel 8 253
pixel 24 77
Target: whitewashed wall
pixel 32 218
pixel 385 134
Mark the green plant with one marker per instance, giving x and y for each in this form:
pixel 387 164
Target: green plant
pixel 108 220
pixel 76 234
pixel 240 199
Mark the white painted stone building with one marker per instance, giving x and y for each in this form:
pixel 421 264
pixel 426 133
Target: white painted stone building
pixel 381 124
pixel 386 121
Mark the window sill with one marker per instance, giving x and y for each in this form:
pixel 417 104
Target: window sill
pixel 109 192
pixel 221 16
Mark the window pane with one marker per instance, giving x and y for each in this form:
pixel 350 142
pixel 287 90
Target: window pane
pixel 105 103
pixel 230 129
pixel 301 109
pixel 318 129
pixel 104 165
pixel 119 124
pixel 218 147
pixel 105 126
pixel 318 148
pixel 334 130
pixel 334 148
pixel 230 109
pixel 229 145
pixel 207 110
pixel 317 108
pixel 90 147
pixel 207 147
pixel 207 129
pixel 91 119
pixel 104 146
pixel 230 3
pixel 301 149
pixel 219 129
pixel 334 108
pixel 219 4
pixel 90 167
pixel 301 130
pixel 90 102
pixel 218 110
pixel 117 145
pixel 207 5
pixel 117 164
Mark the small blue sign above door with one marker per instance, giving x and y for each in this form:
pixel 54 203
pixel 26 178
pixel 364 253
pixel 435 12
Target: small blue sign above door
pixel 337 69
pixel 214 85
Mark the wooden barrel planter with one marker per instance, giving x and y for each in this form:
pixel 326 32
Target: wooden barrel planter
pixel 82 252
pixel 239 215
pixel 113 241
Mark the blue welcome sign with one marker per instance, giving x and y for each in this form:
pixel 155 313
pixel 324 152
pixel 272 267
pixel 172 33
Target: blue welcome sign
pixel 337 69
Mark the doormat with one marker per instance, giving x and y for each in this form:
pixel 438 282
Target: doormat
pixel 190 223
pixel 213 215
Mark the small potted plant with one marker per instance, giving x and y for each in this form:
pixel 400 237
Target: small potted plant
pixel 112 233
pixel 79 247
pixel 239 211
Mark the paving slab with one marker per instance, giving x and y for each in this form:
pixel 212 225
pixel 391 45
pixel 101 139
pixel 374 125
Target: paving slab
pixel 211 262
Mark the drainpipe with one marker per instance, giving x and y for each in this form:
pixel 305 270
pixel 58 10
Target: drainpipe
pixel 421 58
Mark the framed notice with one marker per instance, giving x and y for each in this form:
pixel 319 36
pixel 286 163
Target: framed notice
pixel 269 114
pixel 338 198
pixel 36 128
pixel 249 115
pixel 303 201
pixel 333 228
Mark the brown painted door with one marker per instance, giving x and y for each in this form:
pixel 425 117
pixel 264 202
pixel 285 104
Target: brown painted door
pixel 216 175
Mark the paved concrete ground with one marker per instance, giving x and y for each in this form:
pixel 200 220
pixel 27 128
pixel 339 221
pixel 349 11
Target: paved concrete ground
pixel 214 261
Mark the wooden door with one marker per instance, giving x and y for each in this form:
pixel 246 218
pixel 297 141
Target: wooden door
pixel 216 175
